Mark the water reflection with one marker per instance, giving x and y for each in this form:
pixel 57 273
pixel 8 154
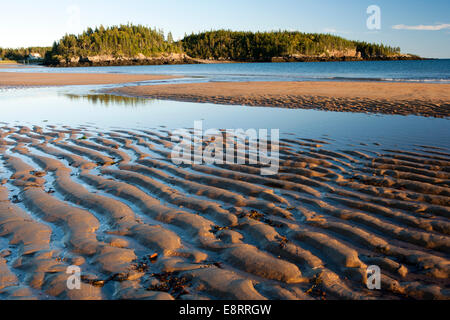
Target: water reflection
pixel 77 106
pixel 109 100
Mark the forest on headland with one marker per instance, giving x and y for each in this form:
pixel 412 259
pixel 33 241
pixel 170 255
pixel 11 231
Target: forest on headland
pixel 138 44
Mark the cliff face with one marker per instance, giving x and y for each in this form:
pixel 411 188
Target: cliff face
pixel 330 55
pixel 341 55
pixel 109 60
pixel 182 58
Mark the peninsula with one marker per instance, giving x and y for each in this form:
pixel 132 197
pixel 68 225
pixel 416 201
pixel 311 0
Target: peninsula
pixel 140 45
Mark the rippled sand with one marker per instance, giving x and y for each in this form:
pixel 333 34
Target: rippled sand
pixel 113 203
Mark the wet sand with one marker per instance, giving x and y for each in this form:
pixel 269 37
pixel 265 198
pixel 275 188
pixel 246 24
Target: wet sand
pixel 6 65
pixel 431 100
pixel 19 79
pixel 140 227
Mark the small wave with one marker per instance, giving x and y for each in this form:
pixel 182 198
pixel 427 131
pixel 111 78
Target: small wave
pixel 430 80
pixel 417 80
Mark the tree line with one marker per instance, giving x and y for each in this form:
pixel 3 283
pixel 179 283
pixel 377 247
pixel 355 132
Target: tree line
pixel 137 40
pixel 262 46
pixel 115 41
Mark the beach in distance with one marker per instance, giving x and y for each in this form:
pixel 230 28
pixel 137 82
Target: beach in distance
pixel 63 79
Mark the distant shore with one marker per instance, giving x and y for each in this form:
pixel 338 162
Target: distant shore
pixel 65 79
pixel 180 59
pixel 177 59
pixel 430 100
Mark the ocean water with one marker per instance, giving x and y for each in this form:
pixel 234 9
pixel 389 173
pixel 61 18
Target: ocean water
pixel 434 71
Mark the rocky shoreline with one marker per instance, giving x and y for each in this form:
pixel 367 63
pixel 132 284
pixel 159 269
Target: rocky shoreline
pixel 304 58
pixel 107 60
pixel 173 59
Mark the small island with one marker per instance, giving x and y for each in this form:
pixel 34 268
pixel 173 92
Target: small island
pixel 141 45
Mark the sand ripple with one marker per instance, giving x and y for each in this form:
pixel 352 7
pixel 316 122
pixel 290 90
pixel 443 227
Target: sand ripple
pixel 141 227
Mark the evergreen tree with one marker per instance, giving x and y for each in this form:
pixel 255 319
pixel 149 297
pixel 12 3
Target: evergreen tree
pixel 170 38
pixel 262 46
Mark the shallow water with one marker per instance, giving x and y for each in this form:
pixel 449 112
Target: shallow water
pixel 81 105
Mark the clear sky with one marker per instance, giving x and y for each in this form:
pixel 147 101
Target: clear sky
pixel 417 26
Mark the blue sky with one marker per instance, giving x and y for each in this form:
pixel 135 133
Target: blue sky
pixel 417 26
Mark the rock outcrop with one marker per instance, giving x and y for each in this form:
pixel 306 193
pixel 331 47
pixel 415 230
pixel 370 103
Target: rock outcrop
pixel 110 60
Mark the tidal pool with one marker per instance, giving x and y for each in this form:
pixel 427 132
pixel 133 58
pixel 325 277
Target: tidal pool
pixel 84 105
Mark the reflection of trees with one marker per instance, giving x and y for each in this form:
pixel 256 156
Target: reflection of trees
pixel 110 100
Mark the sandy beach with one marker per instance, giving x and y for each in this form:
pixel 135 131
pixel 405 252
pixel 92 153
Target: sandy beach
pixel 64 79
pixel 141 227
pixel 7 65
pixel 431 100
